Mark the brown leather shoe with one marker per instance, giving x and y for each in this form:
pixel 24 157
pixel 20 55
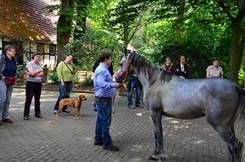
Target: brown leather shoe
pixel 7 121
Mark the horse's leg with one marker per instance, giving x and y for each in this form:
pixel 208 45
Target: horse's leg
pixel 156 117
pixel 234 145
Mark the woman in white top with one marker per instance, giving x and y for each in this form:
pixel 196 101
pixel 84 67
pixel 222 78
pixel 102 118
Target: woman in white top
pixel 214 70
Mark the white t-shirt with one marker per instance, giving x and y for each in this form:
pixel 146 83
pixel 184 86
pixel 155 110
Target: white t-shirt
pixel 214 72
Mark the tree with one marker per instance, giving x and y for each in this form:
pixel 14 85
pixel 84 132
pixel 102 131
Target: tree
pixel 64 27
pixel 176 10
pixel 80 17
pixel 71 23
pixel 235 11
pixel 126 18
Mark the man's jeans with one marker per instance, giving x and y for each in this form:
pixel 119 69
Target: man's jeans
pixel 5 97
pixel 103 122
pixel 134 84
pixel 67 87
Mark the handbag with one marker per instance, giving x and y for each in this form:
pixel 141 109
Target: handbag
pixel 10 80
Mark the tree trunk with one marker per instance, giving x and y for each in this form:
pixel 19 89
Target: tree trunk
pixel 236 49
pixel 64 28
pixel 125 36
pixel 81 10
pixel 180 20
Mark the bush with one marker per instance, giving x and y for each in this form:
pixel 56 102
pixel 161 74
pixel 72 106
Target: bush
pixel 75 78
pixel 88 82
pixel 88 47
pixel 20 72
pixel 54 77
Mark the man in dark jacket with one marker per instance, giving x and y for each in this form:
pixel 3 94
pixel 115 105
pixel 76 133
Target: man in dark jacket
pixel 183 69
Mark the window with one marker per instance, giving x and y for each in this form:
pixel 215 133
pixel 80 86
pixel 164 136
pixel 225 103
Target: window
pixel 52 49
pixel 40 48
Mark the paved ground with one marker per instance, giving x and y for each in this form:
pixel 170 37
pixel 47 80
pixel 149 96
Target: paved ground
pixel 67 139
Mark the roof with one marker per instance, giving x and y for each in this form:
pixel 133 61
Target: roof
pixel 27 19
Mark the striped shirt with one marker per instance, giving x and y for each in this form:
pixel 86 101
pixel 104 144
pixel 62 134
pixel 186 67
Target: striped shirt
pixel 35 67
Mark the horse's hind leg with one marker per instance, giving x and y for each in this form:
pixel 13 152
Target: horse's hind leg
pixel 234 145
pixel 157 120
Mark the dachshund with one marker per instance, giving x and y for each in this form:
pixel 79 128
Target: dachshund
pixel 74 103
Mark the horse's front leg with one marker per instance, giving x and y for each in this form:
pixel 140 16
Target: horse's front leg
pixel 157 121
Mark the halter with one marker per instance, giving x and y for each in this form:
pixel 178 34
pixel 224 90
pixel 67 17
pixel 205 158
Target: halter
pixel 121 75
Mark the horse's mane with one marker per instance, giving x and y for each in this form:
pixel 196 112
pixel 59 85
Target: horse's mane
pixel 151 71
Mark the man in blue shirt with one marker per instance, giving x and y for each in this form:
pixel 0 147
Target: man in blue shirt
pixel 105 89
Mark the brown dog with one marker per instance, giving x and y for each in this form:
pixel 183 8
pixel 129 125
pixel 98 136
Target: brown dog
pixel 74 103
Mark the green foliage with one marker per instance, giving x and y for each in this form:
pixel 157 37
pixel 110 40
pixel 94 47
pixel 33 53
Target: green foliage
pixel 88 47
pixel 151 26
pixel 197 59
pixel 75 78
pixel 20 72
pixel 241 74
pixel 54 77
pixel 204 38
pixel 125 18
pixel 87 82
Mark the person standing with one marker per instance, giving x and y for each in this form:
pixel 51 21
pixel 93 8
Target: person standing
pixel 96 64
pixel 168 66
pixel 183 69
pixel 133 84
pixel 33 86
pixel 8 67
pixel 65 71
pixel 105 89
pixel 214 70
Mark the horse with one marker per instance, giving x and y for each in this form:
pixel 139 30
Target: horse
pixel 220 100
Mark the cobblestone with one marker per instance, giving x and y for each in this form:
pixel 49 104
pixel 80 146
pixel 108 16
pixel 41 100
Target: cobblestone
pixel 67 139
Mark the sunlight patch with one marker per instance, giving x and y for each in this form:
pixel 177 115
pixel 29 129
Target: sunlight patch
pixel 136 159
pixel 174 122
pixel 199 141
pixel 139 114
pixel 138 146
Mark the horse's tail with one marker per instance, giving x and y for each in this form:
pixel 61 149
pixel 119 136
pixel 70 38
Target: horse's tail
pixel 240 123
pixel 241 93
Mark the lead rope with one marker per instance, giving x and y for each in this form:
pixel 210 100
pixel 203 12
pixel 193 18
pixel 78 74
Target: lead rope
pixel 116 100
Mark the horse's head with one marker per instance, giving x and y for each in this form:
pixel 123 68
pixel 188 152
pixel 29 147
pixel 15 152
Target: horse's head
pixel 124 65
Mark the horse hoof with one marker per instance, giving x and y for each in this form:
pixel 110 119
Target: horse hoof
pixel 157 157
pixel 239 151
pixel 237 157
